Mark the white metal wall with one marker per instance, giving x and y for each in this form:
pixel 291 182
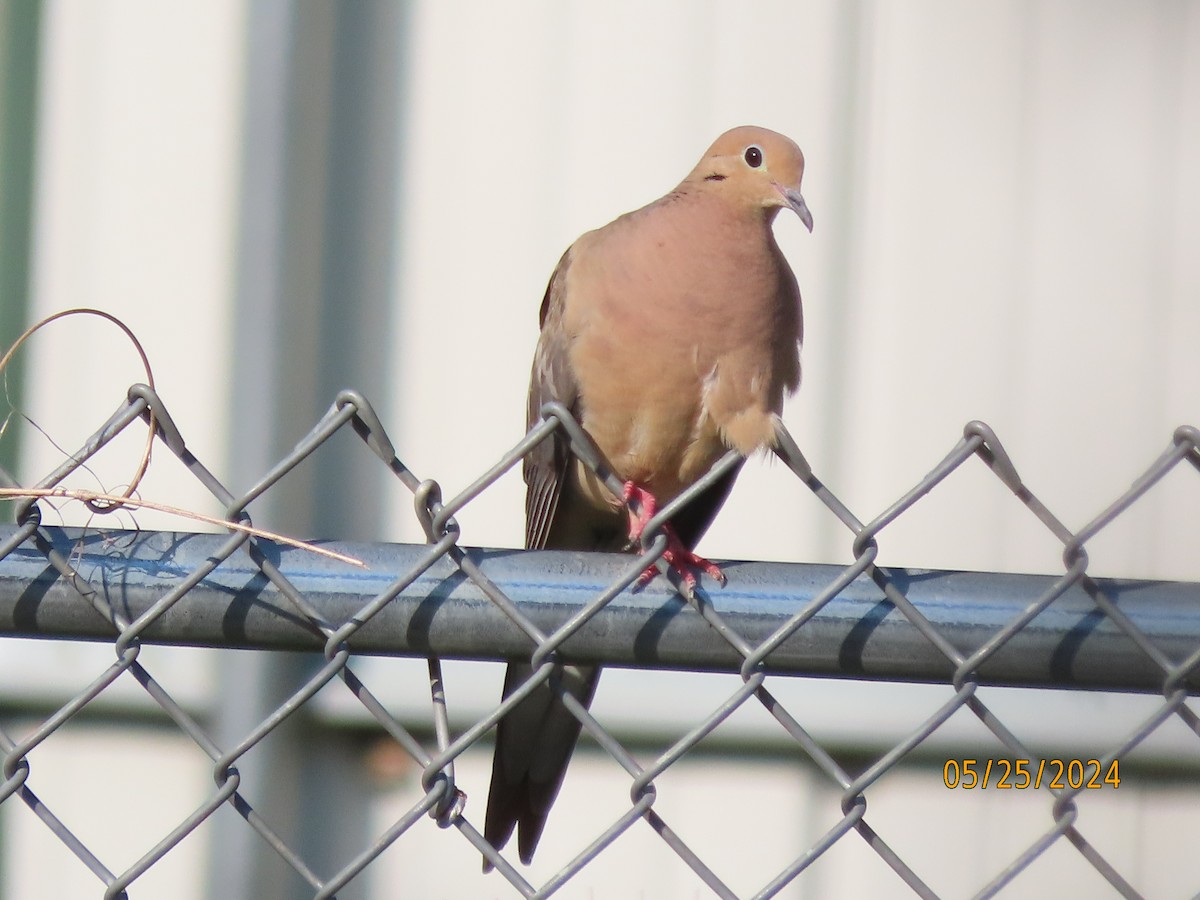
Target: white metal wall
pixel 1005 201
pixel 1002 195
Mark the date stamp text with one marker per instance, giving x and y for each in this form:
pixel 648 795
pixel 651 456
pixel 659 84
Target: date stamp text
pixel 1021 774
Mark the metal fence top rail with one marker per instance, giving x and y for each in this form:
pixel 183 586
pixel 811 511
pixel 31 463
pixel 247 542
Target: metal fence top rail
pixel 440 612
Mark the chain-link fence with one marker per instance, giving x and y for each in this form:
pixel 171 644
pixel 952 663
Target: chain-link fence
pixel 444 600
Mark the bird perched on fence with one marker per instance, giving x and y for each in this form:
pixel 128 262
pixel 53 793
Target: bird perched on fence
pixel 672 334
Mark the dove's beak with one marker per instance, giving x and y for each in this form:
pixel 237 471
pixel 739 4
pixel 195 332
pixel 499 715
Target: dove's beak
pixel 795 201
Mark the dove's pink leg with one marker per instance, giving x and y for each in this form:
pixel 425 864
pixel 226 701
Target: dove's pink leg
pixel 678 557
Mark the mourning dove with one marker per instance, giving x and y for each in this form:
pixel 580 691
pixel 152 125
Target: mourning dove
pixel 672 334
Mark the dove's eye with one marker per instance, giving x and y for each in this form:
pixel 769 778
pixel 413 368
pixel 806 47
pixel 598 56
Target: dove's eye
pixel 753 156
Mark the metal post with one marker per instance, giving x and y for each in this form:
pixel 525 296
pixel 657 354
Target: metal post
pixel 317 214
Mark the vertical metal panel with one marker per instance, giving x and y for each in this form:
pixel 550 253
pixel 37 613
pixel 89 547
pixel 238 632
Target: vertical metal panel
pixel 133 213
pixel 988 276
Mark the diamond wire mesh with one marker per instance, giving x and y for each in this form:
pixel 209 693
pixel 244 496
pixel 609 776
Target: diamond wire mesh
pixel 441 798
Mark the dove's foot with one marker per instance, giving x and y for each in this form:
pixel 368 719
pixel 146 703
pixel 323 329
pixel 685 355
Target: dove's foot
pixel 682 560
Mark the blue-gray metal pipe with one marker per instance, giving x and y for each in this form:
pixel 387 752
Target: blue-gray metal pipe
pixel 858 634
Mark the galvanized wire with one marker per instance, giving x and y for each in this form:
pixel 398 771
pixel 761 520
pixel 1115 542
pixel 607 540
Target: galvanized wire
pixel 147 587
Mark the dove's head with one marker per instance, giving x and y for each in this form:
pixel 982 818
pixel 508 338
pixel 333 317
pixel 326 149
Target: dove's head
pixel 757 167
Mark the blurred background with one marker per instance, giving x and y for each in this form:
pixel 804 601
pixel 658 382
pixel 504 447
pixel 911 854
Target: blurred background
pixel 283 199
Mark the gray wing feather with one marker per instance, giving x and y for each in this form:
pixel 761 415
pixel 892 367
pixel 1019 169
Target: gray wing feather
pixel 535 740
pixel 545 466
